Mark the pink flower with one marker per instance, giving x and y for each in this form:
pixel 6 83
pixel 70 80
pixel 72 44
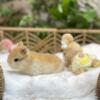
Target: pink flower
pixel 8 44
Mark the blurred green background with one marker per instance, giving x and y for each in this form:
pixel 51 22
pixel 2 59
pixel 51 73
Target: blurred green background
pixel 48 13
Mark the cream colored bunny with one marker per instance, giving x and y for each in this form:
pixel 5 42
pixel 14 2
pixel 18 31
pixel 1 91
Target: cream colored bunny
pixel 70 48
pixel 22 60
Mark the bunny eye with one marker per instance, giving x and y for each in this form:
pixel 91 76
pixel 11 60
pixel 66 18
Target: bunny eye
pixel 16 59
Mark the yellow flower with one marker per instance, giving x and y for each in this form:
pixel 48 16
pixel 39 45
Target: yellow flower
pixel 85 60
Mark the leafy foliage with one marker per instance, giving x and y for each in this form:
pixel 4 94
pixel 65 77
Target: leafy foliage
pixel 26 21
pixel 51 13
pixel 69 13
pixel 5 11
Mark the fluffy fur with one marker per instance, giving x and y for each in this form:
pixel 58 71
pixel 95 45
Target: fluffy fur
pixel 83 62
pixel 70 48
pixel 96 63
pixel 21 59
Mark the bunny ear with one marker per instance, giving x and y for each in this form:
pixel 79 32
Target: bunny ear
pixel 20 43
pixel 24 50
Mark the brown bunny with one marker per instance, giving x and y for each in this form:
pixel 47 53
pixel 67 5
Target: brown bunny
pixel 70 48
pixel 21 59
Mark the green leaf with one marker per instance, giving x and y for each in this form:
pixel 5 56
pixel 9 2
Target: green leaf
pixel 89 15
pixel 26 20
pixel 67 5
pixel 55 13
pixel 60 8
pixel 5 11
